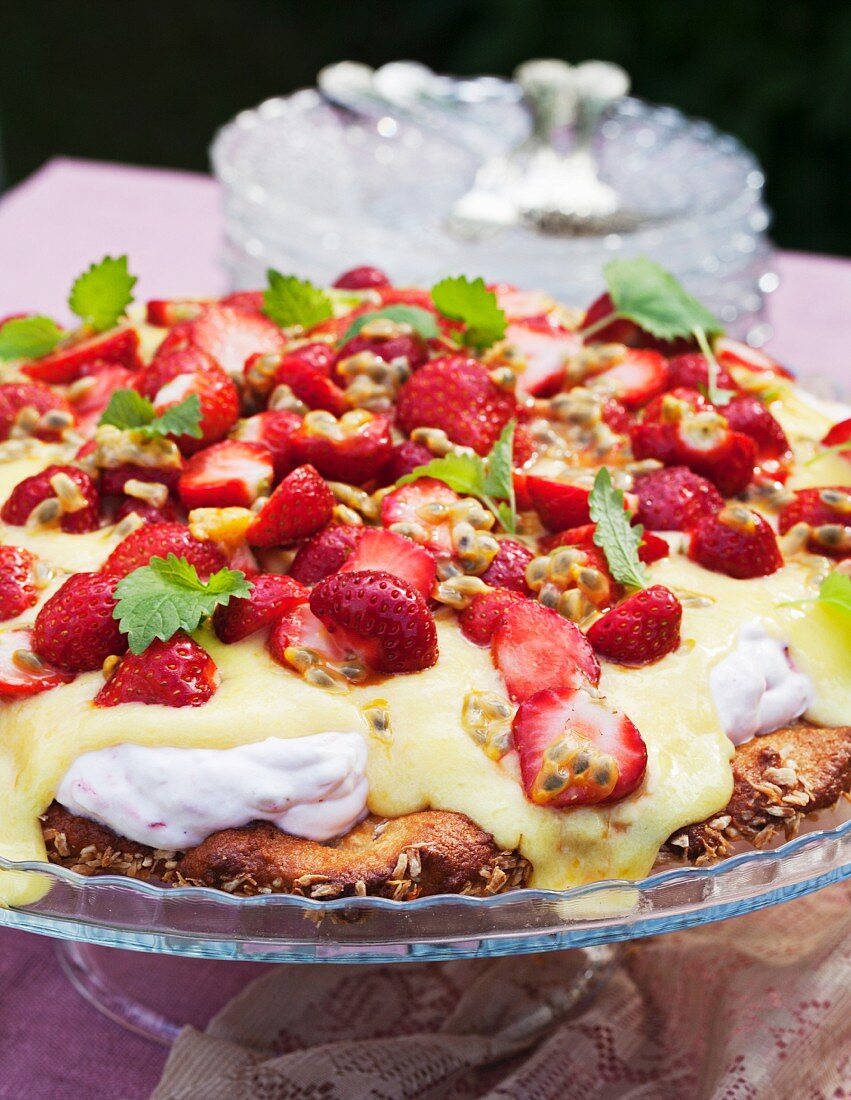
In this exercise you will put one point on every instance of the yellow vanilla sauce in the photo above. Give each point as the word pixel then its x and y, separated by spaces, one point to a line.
pixel 430 761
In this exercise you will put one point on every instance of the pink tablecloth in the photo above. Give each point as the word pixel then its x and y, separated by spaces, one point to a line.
pixel 55 1046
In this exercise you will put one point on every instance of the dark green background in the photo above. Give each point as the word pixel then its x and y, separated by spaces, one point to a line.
pixel 148 83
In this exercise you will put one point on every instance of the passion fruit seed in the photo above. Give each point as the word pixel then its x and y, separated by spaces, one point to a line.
pixel 110 665
pixel 355 498
pixel 41 573
pixel 579 406
pixel 224 525
pixel 347 516
pixel 115 447
pixel 260 376
pixel 28 661
pixel 770 494
pixel 68 493
pixel 573 762
pixel 487 718
pixel 436 441
pixel 377 717
pixel 81 388
pixel 283 398
pixel 152 492
pixel 315 669
pixel 46 514
pixel 413 531
pixel 836 500
pixel 459 592
pixel 795 540
pixel 835 536
pixel 131 522
pixel 504 379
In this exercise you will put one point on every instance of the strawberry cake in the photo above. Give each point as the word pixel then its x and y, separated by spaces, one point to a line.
pixel 374 590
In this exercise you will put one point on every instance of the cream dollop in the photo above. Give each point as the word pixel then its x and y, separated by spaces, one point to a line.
pixel 313 787
pixel 756 688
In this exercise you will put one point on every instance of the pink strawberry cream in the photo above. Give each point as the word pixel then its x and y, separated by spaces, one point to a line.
pixel 313 787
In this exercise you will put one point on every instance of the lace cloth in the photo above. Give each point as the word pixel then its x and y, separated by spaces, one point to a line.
pixel 755 1007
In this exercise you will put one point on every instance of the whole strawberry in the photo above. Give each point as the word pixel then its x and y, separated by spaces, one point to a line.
pixel 15 397
pixel 480 620
pixel 642 629
pixel 675 498
pixel 828 512
pixel 737 542
pixel 325 553
pixel 353 448
pixel 299 507
pixel 272 595
pixel 219 400
pixel 17 590
pixel 22 672
pixel 457 395
pixel 385 618
pixel 508 568
pixel 158 540
pixel 75 630
pixel 177 673
pixel 78 515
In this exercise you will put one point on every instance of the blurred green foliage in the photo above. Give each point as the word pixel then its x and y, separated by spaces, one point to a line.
pixel 149 83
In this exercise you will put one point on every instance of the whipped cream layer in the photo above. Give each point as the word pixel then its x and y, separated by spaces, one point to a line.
pixel 314 787
pixel 756 687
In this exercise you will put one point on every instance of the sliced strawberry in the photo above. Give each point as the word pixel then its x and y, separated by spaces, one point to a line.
pixel 617 416
pixel 481 618
pixel 310 386
pixel 828 513
pixel 300 629
pixel 245 301
pixel 653 549
pixel 558 504
pixel 521 492
pixel 302 362
pixel 298 508
pixel 508 568
pixel 534 647
pixel 390 620
pixel 105 379
pixel 166 312
pixel 231 335
pixel 75 629
pixel 325 553
pixel 840 433
pixel 748 415
pixel 355 450
pixel 524 449
pixel 404 458
pixel 275 430
pixel 168 365
pixel 120 345
pixel 692 372
pixel 158 541
pixel 177 673
pixel 457 395
pixel 737 542
pixel 640 376
pixel 404 345
pixel 733 353
pixel 542 351
pixel 228 474
pixel 17 589
pixel 642 629
pixel 386 552
pixel 219 400
pixel 30 492
pixel 409 505
pixel 406 296
pixel 523 305
pixel 272 596
pixel 575 750
pixel 20 674
pixel 18 396
pixel 675 498
pixel 361 278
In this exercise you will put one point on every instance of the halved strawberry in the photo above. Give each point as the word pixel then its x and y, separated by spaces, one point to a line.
pixel 642 629
pixel 168 365
pixel 456 394
pixel 733 353
pixel 480 620
pixel 75 629
pixel 177 673
pixel 272 595
pixel 389 620
pixel 353 450
pixel 748 415
pixel 325 553
pixel 17 589
pixel 403 460
pixel 316 358
pixel 166 312
pixel 737 542
pixel 231 335
pixel 409 505
pixel 641 375
pixel 828 512
pixel 300 505
pixel 361 278
pixel 30 492
pixel 542 351
pixel 299 628
pixel 119 345
pixel 103 379
pixel 653 548
pixel 22 673
pixel 409 346
pixel 15 397
pixel 534 647
pixel 228 474
pixel 312 387
pixel 508 568
pixel 691 371
pixel 114 479
pixel 675 498
pixel 559 505
pixel 523 305
pixel 246 301
pixel 219 406
pixel 840 433
pixel 275 430
pixel 386 552
pixel 158 541
pixel 575 750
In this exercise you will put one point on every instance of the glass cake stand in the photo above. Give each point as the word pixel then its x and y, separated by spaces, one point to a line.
pixel 90 915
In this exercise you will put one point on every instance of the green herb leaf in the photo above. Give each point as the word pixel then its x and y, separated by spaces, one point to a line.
pixel 468 301
pixel 420 320
pixel 463 473
pixel 499 479
pixel 615 535
pixel 835 592
pixel 28 337
pixel 836 449
pixel 714 393
pixel 290 301
pixel 646 293
pixel 130 411
pixel 158 599
pixel 101 295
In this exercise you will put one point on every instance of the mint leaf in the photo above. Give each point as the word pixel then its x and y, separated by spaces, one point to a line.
pixel 420 320
pixel 836 449
pixel 290 301
pixel 499 480
pixel 647 294
pixel 166 595
pixel 101 295
pixel 469 301
pixel 463 473
pixel 28 337
pixel 615 535
pixel 714 393
pixel 835 592
pixel 130 411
